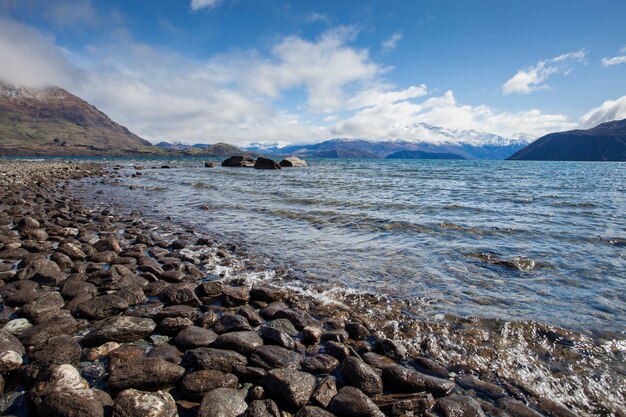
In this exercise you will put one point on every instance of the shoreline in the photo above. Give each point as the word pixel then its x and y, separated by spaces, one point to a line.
pixel 114 266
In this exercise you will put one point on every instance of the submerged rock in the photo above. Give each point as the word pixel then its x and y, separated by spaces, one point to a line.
pixel 265 163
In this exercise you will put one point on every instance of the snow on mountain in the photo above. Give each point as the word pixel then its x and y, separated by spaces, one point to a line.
pixel 424 132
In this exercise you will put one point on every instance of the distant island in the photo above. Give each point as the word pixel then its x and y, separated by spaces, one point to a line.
pixel 423 155
pixel 605 142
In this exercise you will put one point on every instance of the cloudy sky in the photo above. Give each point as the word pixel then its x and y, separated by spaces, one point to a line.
pixel 275 71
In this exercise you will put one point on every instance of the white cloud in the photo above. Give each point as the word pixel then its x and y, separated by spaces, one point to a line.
pixel 616 60
pixel 605 112
pixel 532 79
pixel 204 4
pixel 317 17
pixel 390 43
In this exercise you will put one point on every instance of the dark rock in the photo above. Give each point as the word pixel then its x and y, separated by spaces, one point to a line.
pixel 335 335
pixel 71 403
pixel 250 314
pixel 234 296
pixel 43 331
pixel 223 402
pixel 72 251
pixel 262 408
pixel 292 161
pixel 145 374
pixel 391 349
pixel 218 359
pixel 273 336
pixel 21 296
pixel 43 271
pixel 553 408
pixel 284 325
pixel 337 350
pixel 173 325
pixel 377 361
pixel 470 382
pixel 312 411
pixel 459 406
pixel 179 244
pixel 182 293
pixel 429 366
pixel 320 364
pixel 210 289
pixel 108 244
pixel 249 373
pixel 194 337
pixel 102 307
pixel 45 303
pixel 243 342
pixel 516 408
pixel 119 329
pixel 70 289
pixel 168 352
pixel 196 384
pixel 292 387
pixel 209 165
pixel 271 309
pixel 185 311
pixel 400 379
pixel 311 335
pixel 298 318
pixel 231 323
pixel 265 163
pixel 134 403
pixel 404 404
pixel 362 376
pixel 271 357
pixel 133 295
pixel 238 162
pixel 351 402
pixel 266 293
pixel 357 331
pixel 11 352
pixel 56 351
pixel 325 391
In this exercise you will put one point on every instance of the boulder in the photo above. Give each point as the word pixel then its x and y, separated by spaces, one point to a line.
pixel 265 163
pixel 56 351
pixel 292 387
pixel 243 342
pixel 262 408
pixel 43 271
pixel 352 402
pixel 459 406
pixel 102 307
pixel 404 404
pixel 120 329
pixel 194 337
pixel 400 379
pixel 271 357
pixel 362 376
pixel 75 403
pixel 223 402
pixel 218 359
pixel 196 384
pixel 292 161
pixel 134 403
pixel 320 364
pixel 145 374
pixel 239 161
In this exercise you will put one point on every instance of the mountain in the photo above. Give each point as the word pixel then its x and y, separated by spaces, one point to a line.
pixel 423 155
pixel 605 142
pixel 51 121
pixel 217 149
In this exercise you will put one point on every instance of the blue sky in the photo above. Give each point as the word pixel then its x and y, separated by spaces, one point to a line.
pixel 246 71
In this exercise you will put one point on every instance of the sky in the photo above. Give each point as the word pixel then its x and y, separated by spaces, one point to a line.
pixel 287 72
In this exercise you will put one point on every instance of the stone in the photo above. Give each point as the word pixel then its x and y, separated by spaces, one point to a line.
pixel 337 350
pixel 223 402
pixel 400 379
pixel 10 360
pixel 325 391
pixel 391 349
pixel 269 311
pixel 72 251
pixel 217 359
pixel 133 294
pixel 377 361
pixel 145 374
pixel 429 366
pixel 357 331
pixel 71 288
pixel 266 293
pixel 285 326
pixel 17 326
pixel 134 403
pixel 292 161
pixel 553 408
pixel 352 402
pixel 362 376
pixel 312 411
pixel 266 163
pixel 311 335
pixel 76 403
pixel 459 406
pixel 404 404
pixel 335 335
pixel 121 329
pixel 168 352
pixel 45 303
pixel 210 289
pixel 297 317
pixel 231 323
pixel 43 271
pixel 102 307
pixel 243 342
pixel 108 244
pixel 43 331
pixel 173 325
pixel 101 352
pixel 250 314
pixel 185 311
pixel 470 382
pixel 209 165
pixel 271 357
pixel 194 337
pixel 274 336
pixel 516 408
pixel 238 161
pixel 235 296
pixel 182 293
pixel 196 384
pixel 262 408
pixel 320 364
pixel 56 351
pixel 294 388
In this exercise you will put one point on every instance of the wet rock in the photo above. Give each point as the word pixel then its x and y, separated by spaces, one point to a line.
pixel 273 336
pixel 45 303
pixel 516 408
pixel 459 406
pixel 179 244
pixel 223 402
pixel 238 161
pixel 182 293
pixel 184 311
pixel 120 329
pixel 312 411
pixel 173 325
pixel 271 357
pixel 21 296
pixel 400 379
pixel 250 314
pixel 133 295
pixel 231 323
pixel 145 374
pixel 209 165
pixel 101 352
pixel 168 352
pixel 134 403
pixel 194 337
pixel 108 244
pixel 77 403
pixel 325 391
pixel 210 289
pixel 470 382
pixel 404 404
pixel 357 331
pixel 285 326
pixel 311 335
pixel 298 318
pixel 429 366
pixel 553 408
pixel 173 276
pixel 362 376
pixel 351 402
pixel 71 288
pixel 234 296
pixel 292 387
pixel 262 408
pixel 320 364
pixel 249 373
pixel 196 384
pixel 217 359
pixel 266 293
pixel 242 342
pixel 377 361
pixel 56 351
pixel 292 161
pixel 43 331
pixel 115 278
pixel 72 251
pixel 125 354
pixel 102 307
pixel 391 349
pixel 269 311
pixel 64 261
pixel 43 271
pixel 265 163
pixel 337 350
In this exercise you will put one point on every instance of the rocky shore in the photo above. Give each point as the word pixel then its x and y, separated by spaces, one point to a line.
pixel 104 315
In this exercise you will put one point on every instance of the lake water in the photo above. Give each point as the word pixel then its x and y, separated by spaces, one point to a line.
pixel 505 242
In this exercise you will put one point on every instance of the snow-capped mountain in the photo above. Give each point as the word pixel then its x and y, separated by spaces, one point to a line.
pixel 424 132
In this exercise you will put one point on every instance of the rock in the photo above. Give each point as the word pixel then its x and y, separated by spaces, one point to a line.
pixel 64 261
pixel 231 323
pixel 377 361
pixel 101 352
pixel 325 391
pixel 107 244
pixel 292 387
pixel 45 303
pixel 168 352
pixel 77 403
pixel 459 406
pixel 404 404
pixel 217 359
pixel 17 326
pixel 470 382
pixel 238 162
pixel 196 384
pixel 43 331
pixel 553 408
pixel 182 293
pixel 72 251
pixel 516 408
pixel 173 325
pixel 209 165
pixel 133 294
pixel 250 314
pixel 102 307
pixel 266 293
pixel 262 408
pixel 234 296
pixel 269 311
pixel 125 354
pixel 429 366
pixel 298 318
pixel 210 289
pixel 249 373
pixel 351 402
pixel 391 349
pixel 134 403
pixel 43 271
pixel 145 374
pixel 335 335
pixel 271 357
pixel 400 379
pixel 10 360
pixel 56 351
pixel 320 364
pixel 337 350
pixel 120 329
pixel 292 161
pixel 223 402
pixel 357 331
pixel 285 326
pixel 194 337
pixel 311 335
pixel 242 342
pixel 70 289
pixel 265 163
pixel 312 411
pixel 362 376
pixel 273 336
